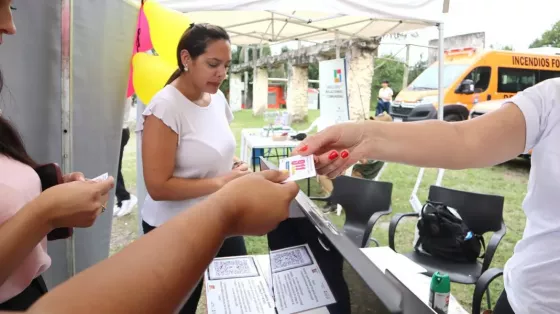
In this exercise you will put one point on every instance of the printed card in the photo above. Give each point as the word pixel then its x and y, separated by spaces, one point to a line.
pixel 102 177
pixel 299 167
pixel 229 268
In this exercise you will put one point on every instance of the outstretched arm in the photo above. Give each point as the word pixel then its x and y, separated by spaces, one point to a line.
pixel 487 140
pixel 162 267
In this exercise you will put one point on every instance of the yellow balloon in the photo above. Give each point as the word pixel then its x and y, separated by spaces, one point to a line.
pixel 166 28
pixel 149 75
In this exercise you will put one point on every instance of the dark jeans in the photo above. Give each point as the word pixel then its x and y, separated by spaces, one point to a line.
pixel 502 305
pixel 120 192
pixel 27 297
pixel 382 106
pixel 234 246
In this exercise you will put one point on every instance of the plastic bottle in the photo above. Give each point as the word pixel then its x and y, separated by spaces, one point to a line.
pixel 440 289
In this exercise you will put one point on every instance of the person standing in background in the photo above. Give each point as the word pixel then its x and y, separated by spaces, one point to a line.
pixel 125 200
pixel 385 96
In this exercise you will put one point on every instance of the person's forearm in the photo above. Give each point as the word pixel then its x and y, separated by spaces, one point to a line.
pixel 20 235
pixel 154 274
pixel 448 145
pixel 178 189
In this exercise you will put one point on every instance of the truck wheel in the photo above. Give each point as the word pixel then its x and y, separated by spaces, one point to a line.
pixel 453 117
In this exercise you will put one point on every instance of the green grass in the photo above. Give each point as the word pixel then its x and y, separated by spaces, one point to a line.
pixel 509 180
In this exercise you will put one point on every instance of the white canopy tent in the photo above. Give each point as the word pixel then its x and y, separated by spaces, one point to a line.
pixel 257 22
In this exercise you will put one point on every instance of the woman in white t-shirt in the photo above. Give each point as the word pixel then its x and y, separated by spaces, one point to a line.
pixel 187 144
pixel 528 121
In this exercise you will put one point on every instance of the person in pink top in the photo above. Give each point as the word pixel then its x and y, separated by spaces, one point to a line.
pixel 27 215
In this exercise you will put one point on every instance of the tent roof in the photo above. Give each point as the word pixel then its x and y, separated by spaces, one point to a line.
pixel 262 21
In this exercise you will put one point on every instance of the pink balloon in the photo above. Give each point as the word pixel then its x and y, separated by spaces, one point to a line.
pixel 142 43
pixel 130 89
pixel 144 37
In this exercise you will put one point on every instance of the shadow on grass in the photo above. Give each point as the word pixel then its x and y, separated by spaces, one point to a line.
pixel 521 165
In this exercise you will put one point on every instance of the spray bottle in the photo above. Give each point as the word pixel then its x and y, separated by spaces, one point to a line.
pixel 440 290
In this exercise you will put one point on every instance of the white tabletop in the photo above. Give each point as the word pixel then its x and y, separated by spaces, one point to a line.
pixel 253 138
pixel 384 258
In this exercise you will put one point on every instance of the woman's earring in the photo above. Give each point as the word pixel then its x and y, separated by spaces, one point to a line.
pixel 186 68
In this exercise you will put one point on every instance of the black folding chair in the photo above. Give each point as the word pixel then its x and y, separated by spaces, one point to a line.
pixel 482 213
pixel 364 201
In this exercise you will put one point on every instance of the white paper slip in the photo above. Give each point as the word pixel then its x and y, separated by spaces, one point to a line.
pixel 229 268
pixel 299 167
pixel 236 285
pixel 299 284
pixel 102 177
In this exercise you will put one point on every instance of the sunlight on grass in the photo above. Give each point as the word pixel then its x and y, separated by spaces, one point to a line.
pixel 509 180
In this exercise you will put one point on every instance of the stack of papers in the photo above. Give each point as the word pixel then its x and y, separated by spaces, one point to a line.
pixel 244 284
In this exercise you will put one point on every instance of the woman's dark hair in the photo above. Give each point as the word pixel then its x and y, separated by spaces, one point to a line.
pixel 11 144
pixel 195 40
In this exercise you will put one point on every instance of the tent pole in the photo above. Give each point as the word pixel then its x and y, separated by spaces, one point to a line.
pixel 246 77
pixel 441 48
pixel 337 43
pixel 66 112
pixel 440 71
pixel 140 184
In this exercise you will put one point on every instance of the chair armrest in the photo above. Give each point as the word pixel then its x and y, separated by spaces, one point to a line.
pixel 492 246
pixel 376 216
pixel 393 227
pixel 371 222
pixel 372 240
pixel 482 285
pixel 320 198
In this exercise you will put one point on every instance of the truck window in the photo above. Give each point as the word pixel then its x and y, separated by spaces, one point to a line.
pixel 545 75
pixel 512 80
pixel 428 80
pixel 481 78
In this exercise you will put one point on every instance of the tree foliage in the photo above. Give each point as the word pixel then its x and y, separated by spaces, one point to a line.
pixel 505 47
pixel 550 38
pixel 417 69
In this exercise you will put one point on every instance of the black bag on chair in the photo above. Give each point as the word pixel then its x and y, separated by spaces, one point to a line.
pixel 443 234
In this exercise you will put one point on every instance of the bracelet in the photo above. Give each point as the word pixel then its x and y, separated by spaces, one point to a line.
pixel 237 164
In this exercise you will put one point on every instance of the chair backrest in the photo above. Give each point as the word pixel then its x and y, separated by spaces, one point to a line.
pixel 481 212
pixel 361 199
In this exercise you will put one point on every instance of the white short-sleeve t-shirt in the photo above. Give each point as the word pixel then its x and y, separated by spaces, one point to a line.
pixel 532 275
pixel 205 147
pixel 385 93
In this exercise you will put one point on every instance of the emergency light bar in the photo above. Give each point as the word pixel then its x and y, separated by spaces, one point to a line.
pixel 460 51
